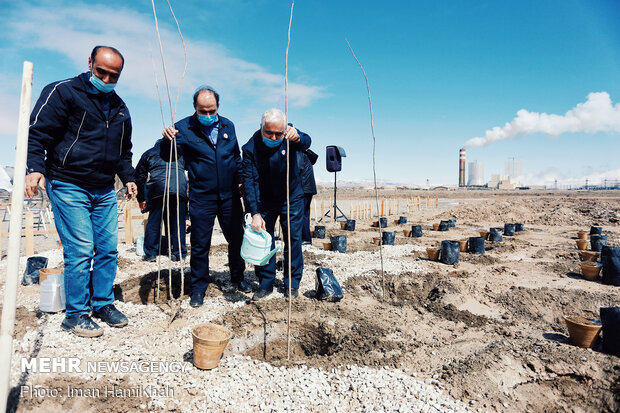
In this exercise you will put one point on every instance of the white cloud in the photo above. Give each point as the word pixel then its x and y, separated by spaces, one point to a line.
pixel 596 114
pixel 74 29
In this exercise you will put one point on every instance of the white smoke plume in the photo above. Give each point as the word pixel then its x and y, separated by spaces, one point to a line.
pixel 596 114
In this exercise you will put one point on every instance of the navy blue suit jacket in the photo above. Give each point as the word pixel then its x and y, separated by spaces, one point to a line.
pixel 213 171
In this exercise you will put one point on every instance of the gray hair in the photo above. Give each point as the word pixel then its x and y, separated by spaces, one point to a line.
pixel 273 115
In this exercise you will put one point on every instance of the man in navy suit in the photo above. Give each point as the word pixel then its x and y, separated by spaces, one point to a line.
pixel 264 183
pixel 209 146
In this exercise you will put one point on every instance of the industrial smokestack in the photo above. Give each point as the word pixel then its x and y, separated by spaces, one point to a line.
pixel 462 167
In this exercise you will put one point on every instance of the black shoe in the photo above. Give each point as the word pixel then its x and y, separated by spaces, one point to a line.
pixel 174 258
pixel 243 286
pixel 294 292
pixel 111 315
pixel 149 258
pixel 82 325
pixel 197 299
pixel 260 294
pixel 306 243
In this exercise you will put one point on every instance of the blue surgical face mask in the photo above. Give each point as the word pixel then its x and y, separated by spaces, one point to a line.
pixel 100 85
pixel 207 120
pixel 271 144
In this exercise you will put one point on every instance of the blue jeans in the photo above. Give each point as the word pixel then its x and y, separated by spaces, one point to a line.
pixel 86 221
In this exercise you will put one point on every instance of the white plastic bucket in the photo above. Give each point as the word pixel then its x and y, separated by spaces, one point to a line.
pixel 52 293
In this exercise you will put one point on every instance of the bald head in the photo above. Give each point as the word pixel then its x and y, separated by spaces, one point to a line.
pixel 108 51
pixel 106 63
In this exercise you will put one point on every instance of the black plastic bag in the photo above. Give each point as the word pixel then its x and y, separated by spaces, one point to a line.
pixel 610 258
pixel 610 318
pixel 33 265
pixel 327 287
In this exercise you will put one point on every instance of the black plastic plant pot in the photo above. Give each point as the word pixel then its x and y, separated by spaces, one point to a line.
pixel 387 238
pixel 450 251
pixel 319 231
pixel 610 258
pixel 383 222
pixel 495 234
pixel 339 243
pixel 350 225
pixel 509 230
pixel 518 227
pixel 476 245
pixel 416 231
pixel 402 220
pixel 444 226
pixel 596 230
pixel 597 242
pixel 452 223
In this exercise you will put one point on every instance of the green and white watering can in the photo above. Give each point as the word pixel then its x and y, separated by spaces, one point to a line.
pixel 256 246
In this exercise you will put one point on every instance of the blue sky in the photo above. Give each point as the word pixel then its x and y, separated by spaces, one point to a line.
pixel 440 72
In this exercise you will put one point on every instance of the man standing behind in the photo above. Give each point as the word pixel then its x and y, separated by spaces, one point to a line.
pixel 305 161
pixel 264 183
pixel 151 174
pixel 80 138
pixel 208 144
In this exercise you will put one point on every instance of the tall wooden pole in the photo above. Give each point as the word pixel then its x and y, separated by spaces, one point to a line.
pixel 7 327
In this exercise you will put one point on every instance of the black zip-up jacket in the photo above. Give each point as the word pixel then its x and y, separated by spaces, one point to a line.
pixel 305 160
pixel 151 175
pixel 72 140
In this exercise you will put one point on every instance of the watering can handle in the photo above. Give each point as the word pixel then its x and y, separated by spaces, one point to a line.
pixel 248 223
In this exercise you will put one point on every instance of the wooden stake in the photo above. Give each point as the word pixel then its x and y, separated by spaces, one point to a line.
pixel 29 230
pixel 128 226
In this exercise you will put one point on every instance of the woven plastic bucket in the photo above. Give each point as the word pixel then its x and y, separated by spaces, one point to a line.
pixel 582 332
pixel 590 270
pixel 433 254
pixel 210 340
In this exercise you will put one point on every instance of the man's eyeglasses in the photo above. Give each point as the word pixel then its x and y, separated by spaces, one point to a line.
pixel 272 133
pixel 102 73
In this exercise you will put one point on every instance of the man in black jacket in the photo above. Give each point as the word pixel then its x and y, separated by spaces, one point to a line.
pixel 151 180
pixel 305 160
pixel 208 143
pixel 264 176
pixel 80 138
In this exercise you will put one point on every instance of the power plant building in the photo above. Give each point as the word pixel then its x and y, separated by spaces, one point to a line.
pixel 475 176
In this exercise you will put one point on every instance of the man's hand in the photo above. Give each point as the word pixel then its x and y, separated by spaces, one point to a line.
pixel 241 191
pixel 142 205
pixel 34 182
pixel 170 132
pixel 291 134
pixel 132 191
pixel 258 223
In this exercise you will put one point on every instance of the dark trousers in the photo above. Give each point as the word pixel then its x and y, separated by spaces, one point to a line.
pixel 152 232
pixel 305 233
pixel 229 214
pixel 267 273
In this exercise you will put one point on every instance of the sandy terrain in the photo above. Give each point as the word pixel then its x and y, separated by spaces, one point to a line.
pixel 485 334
